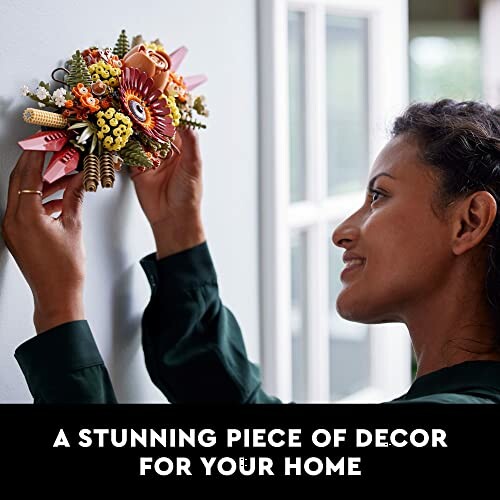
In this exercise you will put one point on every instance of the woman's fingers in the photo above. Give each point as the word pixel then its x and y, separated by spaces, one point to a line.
pixel 72 201
pixel 59 185
pixel 136 171
pixel 31 166
pixel 12 196
pixel 190 152
pixel 53 206
pixel 16 177
pixel 48 189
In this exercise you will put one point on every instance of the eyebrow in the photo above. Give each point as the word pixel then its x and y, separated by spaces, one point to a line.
pixel 373 179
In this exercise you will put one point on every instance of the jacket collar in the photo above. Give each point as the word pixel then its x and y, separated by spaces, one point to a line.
pixel 461 377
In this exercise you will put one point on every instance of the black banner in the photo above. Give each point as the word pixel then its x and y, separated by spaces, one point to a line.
pixel 166 443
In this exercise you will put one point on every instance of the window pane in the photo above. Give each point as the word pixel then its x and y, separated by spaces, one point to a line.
pixel 445 66
pixel 298 314
pixel 349 341
pixel 296 100
pixel 347 103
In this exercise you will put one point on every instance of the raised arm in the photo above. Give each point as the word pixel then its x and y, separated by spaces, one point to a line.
pixel 62 363
pixel 193 345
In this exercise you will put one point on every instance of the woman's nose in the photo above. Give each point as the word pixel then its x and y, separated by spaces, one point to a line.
pixel 345 234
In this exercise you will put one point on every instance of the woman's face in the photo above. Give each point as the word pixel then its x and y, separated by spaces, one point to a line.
pixel 404 245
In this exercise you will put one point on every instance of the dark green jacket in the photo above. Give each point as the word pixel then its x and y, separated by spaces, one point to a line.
pixel 194 350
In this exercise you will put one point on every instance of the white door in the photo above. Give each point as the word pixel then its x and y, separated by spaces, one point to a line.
pixel 333 77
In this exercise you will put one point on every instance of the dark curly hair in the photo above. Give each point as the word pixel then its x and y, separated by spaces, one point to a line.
pixel 462 141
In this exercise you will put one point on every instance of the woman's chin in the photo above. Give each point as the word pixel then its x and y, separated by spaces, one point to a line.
pixel 362 309
pixel 349 307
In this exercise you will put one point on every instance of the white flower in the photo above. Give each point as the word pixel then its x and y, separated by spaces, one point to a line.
pixel 59 97
pixel 41 105
pixel 42 93
pixel 60 92
pixel 60 101
pixel 189 100
pixel 25 90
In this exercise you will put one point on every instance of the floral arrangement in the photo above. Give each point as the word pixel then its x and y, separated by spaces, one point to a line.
pixel 114 107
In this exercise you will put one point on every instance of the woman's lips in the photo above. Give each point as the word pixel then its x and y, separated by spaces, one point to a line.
pixel 351 266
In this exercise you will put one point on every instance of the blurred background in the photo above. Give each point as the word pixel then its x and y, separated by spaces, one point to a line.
pixel 302 96
pixel 354 65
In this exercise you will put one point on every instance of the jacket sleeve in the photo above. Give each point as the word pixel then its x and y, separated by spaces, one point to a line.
pixel 193 346
pixel 63 365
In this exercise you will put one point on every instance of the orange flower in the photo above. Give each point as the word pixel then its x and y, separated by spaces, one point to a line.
pixel 80 90
pixel 115 61
pixel 87 100
pixel 177 80
pixel 68 104
pixel 90 102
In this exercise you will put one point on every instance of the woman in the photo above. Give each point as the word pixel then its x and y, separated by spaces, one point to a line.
pixel 422 250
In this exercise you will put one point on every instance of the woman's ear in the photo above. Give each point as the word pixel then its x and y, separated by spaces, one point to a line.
pixel 472 221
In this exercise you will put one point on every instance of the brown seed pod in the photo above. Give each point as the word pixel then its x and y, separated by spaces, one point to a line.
pixel 107 170
pixel 91 173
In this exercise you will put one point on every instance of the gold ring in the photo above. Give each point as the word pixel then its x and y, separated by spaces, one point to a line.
pixel 29 191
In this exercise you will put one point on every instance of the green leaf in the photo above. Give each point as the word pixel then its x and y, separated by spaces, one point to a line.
pixel 134 155
pixel 78 71
pixel 122 45
pixel 76 145
pixel 85 135
pixel 78 125
pixel 94 143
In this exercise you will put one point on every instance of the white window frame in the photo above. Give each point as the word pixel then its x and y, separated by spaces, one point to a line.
pixel 390 352
pixel 490 41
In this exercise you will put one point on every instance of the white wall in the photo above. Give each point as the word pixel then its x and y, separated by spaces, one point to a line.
pixel 35 38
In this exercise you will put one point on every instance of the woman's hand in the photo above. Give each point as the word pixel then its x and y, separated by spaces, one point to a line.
pixel 49 252
pixel 171 197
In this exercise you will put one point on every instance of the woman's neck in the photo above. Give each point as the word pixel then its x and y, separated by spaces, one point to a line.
pixel 452 330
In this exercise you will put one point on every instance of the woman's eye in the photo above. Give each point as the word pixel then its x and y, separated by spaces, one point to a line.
pixel 375 195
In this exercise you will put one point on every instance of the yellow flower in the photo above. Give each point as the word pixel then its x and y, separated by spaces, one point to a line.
pixel 155 46
pixel 174 110
pixel 105 72
pixel 115 129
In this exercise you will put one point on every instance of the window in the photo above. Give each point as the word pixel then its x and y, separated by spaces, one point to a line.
pixel 333 76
